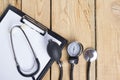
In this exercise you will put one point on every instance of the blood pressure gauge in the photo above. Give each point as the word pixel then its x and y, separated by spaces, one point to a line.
pixel 74 49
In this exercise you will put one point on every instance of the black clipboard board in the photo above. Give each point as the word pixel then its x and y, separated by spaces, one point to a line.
pixel 39 25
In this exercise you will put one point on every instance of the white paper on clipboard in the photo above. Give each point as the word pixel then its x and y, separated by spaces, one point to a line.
pixel 8 70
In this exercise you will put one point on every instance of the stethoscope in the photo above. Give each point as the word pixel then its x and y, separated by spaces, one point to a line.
pixel 36 61
pixel 74 50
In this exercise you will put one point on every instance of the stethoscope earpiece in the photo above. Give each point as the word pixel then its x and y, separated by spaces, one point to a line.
pixel 90 54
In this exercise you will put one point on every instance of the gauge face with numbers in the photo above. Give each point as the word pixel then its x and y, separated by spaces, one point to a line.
pixel 74 49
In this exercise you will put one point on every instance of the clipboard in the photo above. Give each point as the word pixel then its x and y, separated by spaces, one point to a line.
pixel 13 16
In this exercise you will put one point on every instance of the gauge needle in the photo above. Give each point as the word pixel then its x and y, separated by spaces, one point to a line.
pixel 73 49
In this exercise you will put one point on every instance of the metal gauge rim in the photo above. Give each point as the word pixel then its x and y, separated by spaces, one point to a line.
pixel 74 49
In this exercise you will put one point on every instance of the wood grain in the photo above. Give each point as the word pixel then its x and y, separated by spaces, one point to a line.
pixel 5 3
pixel 1 6
pixel 74 19
pixel 39 10
pixel 108 39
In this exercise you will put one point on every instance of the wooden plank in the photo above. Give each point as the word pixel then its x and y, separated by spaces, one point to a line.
pixel 40 10
pixel 5 3
pixel 1 6
pixel 74 19
pixel 108 39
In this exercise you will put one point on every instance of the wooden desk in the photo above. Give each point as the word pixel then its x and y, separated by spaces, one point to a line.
pixel 94 23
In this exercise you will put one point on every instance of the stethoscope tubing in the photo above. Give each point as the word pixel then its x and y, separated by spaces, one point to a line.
pixel 17 64
pixel 88 70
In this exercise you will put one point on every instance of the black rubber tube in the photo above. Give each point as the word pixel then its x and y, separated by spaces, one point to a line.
pixel 71 71
pixel 33 78
pixel 88 70
pixel 61 70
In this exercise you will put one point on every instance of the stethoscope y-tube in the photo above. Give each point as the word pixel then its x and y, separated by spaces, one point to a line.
pixel 35 58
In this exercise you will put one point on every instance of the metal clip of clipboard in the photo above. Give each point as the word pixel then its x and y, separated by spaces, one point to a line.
pixel 33 24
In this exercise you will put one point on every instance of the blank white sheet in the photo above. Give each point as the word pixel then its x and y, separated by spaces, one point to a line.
pixel 8 70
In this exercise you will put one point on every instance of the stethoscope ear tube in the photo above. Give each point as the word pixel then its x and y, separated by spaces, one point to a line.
pixel 31 74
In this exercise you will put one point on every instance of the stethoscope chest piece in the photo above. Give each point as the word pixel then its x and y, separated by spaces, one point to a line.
pixel 90 54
